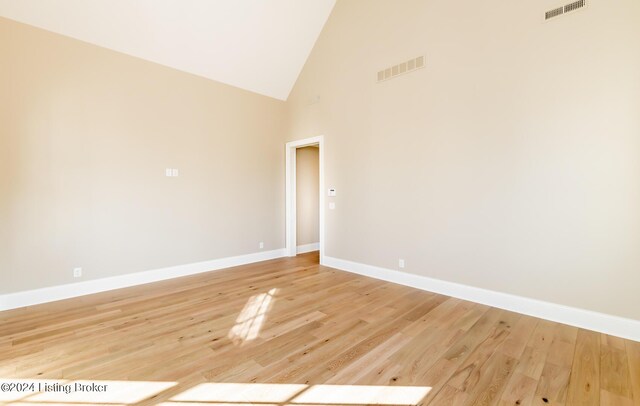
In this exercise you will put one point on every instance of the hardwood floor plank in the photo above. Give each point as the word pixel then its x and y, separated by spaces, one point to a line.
pixel 520 391
pixel 584 384
pixel 452 397
pixel 493 378
pixel 614 368
pixel 633 354
pixel 554 379
pixel 471 371
pixel 292 321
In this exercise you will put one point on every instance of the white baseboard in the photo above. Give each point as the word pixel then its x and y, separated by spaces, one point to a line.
pixel 587 319
pixel 53 293
pixel 301 249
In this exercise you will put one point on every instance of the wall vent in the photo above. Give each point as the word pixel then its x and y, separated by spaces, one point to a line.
pixel 554 13
pixel 401 68
pixel 557 12
pixel 574 6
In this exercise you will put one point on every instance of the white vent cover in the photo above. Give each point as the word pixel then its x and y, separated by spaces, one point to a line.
pixel 401 69
pixel 557 12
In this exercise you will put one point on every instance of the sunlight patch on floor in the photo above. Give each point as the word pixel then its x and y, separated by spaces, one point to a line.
pixel 70 392
pixel 298 394
pixel 240 392
pixel 221 404
pixel 358 394
pixel 251 318
pixel 125 393
pixel 14 394
pixel 69 404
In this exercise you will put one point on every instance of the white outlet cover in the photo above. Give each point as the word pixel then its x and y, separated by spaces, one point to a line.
pixel 401 263
pixel 168 172
pixel 261 245
pixel 77 272
pixel 332 206
pixel 175 172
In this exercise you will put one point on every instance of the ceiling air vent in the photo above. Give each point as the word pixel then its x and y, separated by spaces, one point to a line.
pixel 574 6
pixel 401 69
pixel 556 12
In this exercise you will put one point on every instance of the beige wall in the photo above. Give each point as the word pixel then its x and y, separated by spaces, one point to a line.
pixel 511 162
pixel 307 195
pixel 85 137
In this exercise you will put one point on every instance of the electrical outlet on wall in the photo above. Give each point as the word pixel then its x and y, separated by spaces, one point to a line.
pixel 77 272
pixel 261 245
pixel 401 263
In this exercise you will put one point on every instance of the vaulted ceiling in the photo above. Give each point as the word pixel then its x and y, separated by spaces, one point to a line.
pixel 257 45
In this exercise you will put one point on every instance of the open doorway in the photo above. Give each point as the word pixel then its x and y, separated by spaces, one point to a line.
pixel 307 199
pixel 304 196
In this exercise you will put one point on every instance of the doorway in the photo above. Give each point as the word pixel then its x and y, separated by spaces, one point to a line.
pixel 293 150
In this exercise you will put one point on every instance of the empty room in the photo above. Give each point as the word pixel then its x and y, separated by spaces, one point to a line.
pixel 319 202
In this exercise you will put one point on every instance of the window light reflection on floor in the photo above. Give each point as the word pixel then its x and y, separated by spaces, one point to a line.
pixel 240 392
pixel 252 317
pixel 300 395
pixel 116 393
pixel 129 393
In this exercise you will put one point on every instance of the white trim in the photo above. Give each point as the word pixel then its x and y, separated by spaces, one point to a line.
pixel 290 182
pixel 587 319
pixel 302 249
pixel 53 293
pixel 290 195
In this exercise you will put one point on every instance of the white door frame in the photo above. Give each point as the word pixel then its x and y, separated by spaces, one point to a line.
pixel 290 232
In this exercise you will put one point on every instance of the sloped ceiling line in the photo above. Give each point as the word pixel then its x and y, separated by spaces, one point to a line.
pixel 256 45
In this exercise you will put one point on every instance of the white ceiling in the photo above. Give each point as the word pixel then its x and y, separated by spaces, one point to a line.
pixel 257 45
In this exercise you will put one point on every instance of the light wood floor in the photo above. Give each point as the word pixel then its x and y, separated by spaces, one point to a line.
pixel 311 333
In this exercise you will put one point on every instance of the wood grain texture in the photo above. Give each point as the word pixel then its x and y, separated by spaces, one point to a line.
pixel 292 322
